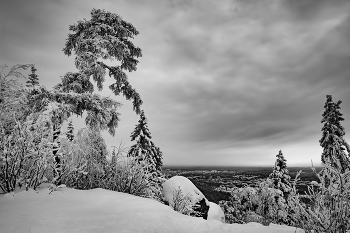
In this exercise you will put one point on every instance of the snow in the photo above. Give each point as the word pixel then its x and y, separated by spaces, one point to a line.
pixel 215 212
pixel 99 210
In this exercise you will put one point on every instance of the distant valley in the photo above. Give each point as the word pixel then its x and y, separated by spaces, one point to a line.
pixel 217 182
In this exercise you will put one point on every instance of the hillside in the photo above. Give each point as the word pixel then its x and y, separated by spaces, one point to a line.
pixel 99 210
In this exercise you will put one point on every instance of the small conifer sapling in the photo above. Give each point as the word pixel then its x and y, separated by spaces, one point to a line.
pixel 70 131
pixel 33 79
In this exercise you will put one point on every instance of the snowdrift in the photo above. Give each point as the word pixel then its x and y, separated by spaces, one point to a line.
pixel 99 210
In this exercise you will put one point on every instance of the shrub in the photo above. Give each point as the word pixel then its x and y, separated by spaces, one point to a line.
pixel 129 176
pixel 181 203
pixel 231 214
pixel 271 203
pixel 84 160
pixel 83 169
pixel 24 159
pixel 241 202
pixel 264 201
pixel 329 208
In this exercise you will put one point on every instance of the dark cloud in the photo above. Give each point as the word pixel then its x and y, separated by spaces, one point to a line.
pixel 233 78
pixel 311 9
pixel 267 87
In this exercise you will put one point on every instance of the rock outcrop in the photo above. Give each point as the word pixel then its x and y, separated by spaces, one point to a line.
pixel 199 204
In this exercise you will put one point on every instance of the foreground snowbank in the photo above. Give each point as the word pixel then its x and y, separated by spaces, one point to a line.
pixel 99 210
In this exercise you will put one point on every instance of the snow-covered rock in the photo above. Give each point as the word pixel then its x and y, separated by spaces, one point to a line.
pixel 215 212
pixel 188 189
pixel 99 210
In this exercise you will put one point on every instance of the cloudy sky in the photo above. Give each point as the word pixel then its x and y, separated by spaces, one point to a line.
pixel 223 82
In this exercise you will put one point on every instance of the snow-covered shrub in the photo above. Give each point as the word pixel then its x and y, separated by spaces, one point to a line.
pixel 263 200
pixel 131 176
pixel 25 159
pixel 271 203
pixel 329 208
pixel 125 174
pixel 84 160
pixel 230 212
pixel 87 165
pixel 181 203
pixel 74 162
pixel 242 201
pixel 13 97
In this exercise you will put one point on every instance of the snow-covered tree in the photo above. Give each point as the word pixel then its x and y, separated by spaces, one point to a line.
pixel 335 148
pixel 105 36
pixel 145 149
pixel 101 112
pixel 280 175
pixel 70 131
pixel 33 79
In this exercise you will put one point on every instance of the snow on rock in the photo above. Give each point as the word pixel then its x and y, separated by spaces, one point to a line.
pixel 99 210
pixel 215 212
pixel 188 189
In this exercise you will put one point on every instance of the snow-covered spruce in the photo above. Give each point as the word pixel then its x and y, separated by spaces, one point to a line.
pixel 280 175
pixel 144 148
pixel 335 149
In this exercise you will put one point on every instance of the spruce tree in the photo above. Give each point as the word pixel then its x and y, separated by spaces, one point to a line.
pixel 335 148
pixel 145 149
pixel 33 79
pixel 70 131
pixel 280 175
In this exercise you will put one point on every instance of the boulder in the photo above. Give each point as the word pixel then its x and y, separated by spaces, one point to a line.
pixel 200 205
pixel 215 212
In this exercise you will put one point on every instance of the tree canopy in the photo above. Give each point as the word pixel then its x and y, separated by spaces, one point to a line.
pixel 105 36
pixel 101 111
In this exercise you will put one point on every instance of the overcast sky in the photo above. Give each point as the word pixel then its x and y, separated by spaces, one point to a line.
pixel 223 82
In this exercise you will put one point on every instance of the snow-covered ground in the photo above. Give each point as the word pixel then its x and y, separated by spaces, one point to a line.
pixel 99 210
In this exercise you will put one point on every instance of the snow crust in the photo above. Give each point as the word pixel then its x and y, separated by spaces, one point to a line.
pixel 99 210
